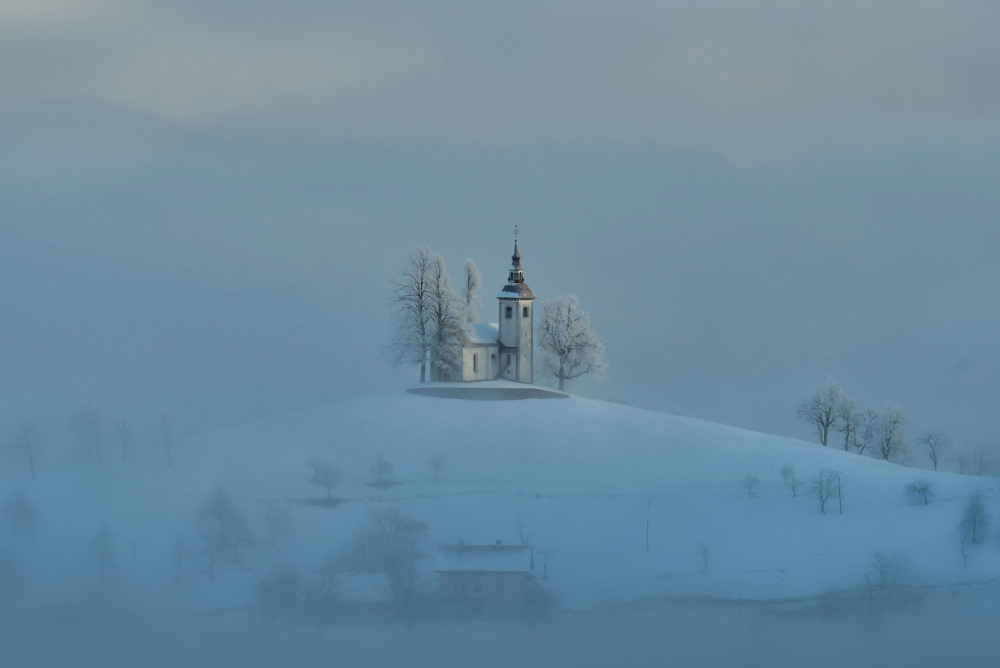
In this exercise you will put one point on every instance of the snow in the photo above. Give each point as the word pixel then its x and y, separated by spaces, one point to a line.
pixel 484 332
pixel 581 477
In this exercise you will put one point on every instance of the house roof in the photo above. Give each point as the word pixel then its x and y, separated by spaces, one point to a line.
pixel 483 559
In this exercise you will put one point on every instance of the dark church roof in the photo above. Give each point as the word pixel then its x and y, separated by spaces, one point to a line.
pixel 516 291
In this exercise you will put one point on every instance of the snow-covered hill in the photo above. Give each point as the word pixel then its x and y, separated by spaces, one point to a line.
pixel 580 477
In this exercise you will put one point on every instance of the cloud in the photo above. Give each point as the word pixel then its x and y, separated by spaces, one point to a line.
pixel 730 77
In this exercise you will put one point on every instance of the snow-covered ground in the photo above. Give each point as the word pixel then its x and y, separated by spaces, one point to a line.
pixel 579 477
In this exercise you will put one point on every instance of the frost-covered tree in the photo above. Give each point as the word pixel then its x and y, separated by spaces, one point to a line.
pixel 326 475
pixel 168 429
pixel 920 490
pixel 787 472
pixel 413 328
pixel 889 441
pixel 820 409
pixel 279 522
pixel 570 347
pixel 847 420
pixel 21 514
pixel 937 444
pixel 124 430
pixel 89 424
pixel 868 431
pixel 974 459
pixel 447 322
pixel 750 483
pixel 27 443
pixel 975 518
pixel 435 463
pixel 224 527
pixel 390 545
pixel 472 285
pixel 101 552
pixel 381 468
pixel 825 486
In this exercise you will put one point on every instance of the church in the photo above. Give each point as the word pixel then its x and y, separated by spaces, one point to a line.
pixel 502 350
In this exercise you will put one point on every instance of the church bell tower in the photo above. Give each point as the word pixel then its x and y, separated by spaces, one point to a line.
pixel 516 324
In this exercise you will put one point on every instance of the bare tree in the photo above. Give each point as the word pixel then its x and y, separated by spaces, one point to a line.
pixel 848 420
pixel 889 435
pixel 20 512
pixel 546 553
pixel 750 483
pixel 326 475
pixel 937 444
pixel 447 320
pixel 124 429
pixel 224 527
pixel 279 522
pixel 963 545
pixel 787 472
pixel 974 459
pixel 414 324
pixel 89 423
pixel 27 442
pixel 179 558
pixel 436 464
pixel 703 552
pixel 168 430
pixel 920 490
pixel 975 518
pixel 825 487
pixel 571 348
pixel 473 284
pixel 820 409
pixel 794 484
pixel 882 580
pixel 101 552
pixel 380 469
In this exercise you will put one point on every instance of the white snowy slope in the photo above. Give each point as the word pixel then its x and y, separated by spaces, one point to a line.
pixel 580 477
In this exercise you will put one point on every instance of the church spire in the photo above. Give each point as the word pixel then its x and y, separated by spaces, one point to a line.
pixel 516 271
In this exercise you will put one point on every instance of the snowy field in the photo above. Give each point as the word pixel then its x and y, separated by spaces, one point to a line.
pixel 581 479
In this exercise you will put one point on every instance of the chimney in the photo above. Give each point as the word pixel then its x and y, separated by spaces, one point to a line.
pixel 461 541
pixel 499 541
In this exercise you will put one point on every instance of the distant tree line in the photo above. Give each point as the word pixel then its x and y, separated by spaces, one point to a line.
pixel 879 432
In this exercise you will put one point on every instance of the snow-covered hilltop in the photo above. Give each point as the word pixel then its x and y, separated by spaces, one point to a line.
pixel 580 479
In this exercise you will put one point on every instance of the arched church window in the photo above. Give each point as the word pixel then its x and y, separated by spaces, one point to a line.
pixel 475 363
pixel 510 311
pixel 524 313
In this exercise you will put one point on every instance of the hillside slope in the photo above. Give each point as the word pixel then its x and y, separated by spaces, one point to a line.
pixel 580 477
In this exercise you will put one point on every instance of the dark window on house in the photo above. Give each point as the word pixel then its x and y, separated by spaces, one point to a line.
pixel 510 311
pixel 501 587
pixel 524 312
pixel 508 358
pixel 475 363
pixel 479 587
pixel 460 587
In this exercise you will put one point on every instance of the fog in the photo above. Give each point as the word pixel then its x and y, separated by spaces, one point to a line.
pixel 203 206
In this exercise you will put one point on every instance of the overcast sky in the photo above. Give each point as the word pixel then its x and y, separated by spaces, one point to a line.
pixel 202 203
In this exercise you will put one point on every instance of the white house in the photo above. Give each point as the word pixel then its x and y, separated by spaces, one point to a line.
pixel 502 350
